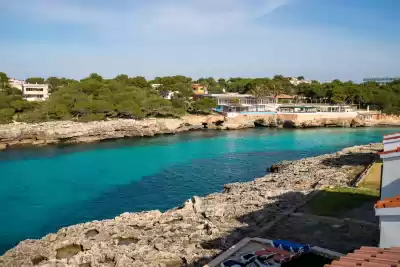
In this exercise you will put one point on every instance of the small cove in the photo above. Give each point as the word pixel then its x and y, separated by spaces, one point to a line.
pixel 46 188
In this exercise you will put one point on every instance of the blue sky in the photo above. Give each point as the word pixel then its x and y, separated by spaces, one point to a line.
pixel 320 39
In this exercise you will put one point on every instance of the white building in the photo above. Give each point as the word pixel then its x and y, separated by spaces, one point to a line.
pixel 239 103
pixel 31 92
pixel 388 208
pixel 170 94
pixel 296 81
pixel 18 84
pixel 388 211
pixel 156 85
pixel 390 184
pixel 35 92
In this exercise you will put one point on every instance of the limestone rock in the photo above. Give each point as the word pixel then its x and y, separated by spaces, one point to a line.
pixel 39 134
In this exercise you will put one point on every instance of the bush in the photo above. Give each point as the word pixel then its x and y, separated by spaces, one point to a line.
pixel 6 115
pixel 32 116
pixel 92 117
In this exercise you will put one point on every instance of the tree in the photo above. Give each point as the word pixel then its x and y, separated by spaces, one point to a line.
pixel 301 78
pixel 278 77
pixel 274 89
pixel 216 89
pixel 222 83
pixel 139 81
pixel 54 83
pixel 3 80
pixel 259 91
pixel 35 80
pixel 238 85
pixel 204 106
pixel 20 105
pixel 123 78
pixel 93 76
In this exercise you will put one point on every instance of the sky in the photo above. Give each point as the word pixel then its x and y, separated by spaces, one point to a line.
pixel 319 39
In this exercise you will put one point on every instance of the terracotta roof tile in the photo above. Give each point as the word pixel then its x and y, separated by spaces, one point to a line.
pixel 370 257
pixel 392 202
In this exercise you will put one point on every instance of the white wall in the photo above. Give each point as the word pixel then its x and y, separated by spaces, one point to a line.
pixel 391 175
pixel 41 89
pixel 389 227
pixel 391 144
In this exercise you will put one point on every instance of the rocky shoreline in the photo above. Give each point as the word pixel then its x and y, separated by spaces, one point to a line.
pixel 39 134
pixel 200 229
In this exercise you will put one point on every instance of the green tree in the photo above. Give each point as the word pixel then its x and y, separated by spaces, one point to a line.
pixel 204 106
pixel 56 83
pixel 20 105
pixel 34 80
pixel 259 91
pixel 139 82
pixel 3 80
pixel 123 78
pixel 216 89
pixel 222 83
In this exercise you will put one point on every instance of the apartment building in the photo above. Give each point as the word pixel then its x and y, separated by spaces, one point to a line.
pixel 31 92
pixel 35 92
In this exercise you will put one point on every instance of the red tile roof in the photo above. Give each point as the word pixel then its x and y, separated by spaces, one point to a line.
pixel 392 202
pixel 370 257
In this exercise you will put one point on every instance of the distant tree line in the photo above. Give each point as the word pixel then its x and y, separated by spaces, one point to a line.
pixel 97 98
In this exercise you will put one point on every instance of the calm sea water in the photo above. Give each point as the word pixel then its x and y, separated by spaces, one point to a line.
pixel 43 189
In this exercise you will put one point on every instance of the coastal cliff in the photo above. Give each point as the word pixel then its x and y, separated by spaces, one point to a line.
pixel 201 228
pixel 38 134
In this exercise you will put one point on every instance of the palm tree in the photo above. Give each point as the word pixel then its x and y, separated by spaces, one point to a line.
pixel 259 92
pixel 274 89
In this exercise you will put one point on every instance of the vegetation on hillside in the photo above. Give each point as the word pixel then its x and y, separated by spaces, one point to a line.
pixel 96 98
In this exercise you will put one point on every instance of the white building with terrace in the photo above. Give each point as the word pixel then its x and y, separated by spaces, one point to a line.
pixel 243 103
pixel 35 92
pixel 30 91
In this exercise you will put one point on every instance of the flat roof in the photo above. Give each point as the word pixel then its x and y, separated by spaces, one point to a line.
pixel 231 95
pixel 296 106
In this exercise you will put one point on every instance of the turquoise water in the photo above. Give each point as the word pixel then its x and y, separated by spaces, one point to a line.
pixel 44 189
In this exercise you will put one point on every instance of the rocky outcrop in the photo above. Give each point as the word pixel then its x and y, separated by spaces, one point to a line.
pixel 39 134
pixel 76 132
pixel 197 231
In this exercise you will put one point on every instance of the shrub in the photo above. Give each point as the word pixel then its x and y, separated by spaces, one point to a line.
pixel 6 115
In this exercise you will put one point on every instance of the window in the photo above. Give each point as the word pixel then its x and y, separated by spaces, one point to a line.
pixel 33 96
pixel 34 89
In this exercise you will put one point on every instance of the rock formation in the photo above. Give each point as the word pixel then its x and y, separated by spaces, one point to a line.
pixel 76 132
pixel 197 231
